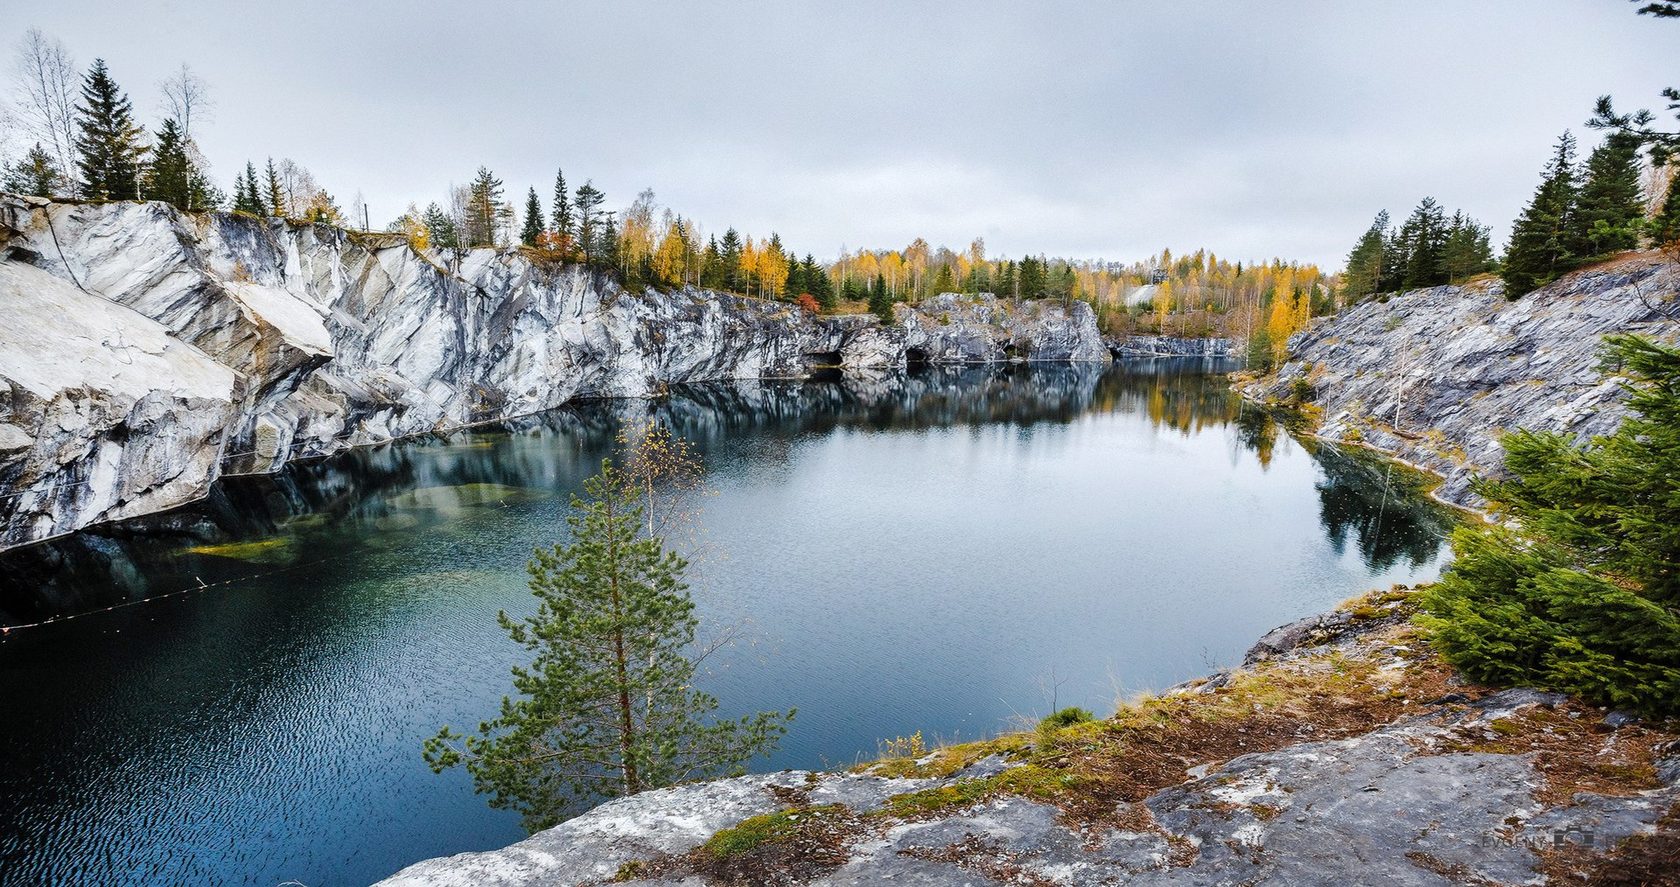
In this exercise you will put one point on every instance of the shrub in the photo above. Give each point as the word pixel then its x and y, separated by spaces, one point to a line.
pixel 1067 717
pixel 808 302
pixel 1586 598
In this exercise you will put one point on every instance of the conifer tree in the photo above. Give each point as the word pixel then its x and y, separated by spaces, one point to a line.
pixel 484 208
pixel 1424 239
pixel 1586 598
pixel 245 199
pixel 711 265
pixel 1364 274
pixel 169 177
pixel 730 253
pixel 563 222
pixel 1665 226
pixel 944 282
pixel 253 195
pixel 881 301
pixel 1542 239
pixel 1609 211
pixel 1468 250
pixel 592 230
pixel 36 174
pixel 440 228
pixel 533 219
pixel 1032 278
pixel 108 148
pixel 276 200
pixel 608 706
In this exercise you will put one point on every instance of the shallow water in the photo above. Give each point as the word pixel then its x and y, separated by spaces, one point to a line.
pixel 947 552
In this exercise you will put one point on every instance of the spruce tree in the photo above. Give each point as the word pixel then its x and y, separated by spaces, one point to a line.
pixel 533 219
pixel 1468 250
pixel 1542 239
pixel 1032 278
pixel 253 194
pixel 169 177
pixel 608 706
pixel 1609 211
pixel 36 174
pixel 440 228
pixel 1363 276
pixel 730 252
pixel 1585 598
pixel 944 282
pixel 1424 234
pixel 880 301
pixel 109 153
pixel 276 200
pixel 245 198
pixel 564 225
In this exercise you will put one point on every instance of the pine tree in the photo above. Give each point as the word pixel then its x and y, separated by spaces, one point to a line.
pixel 276 200
pixel 533 219
pixel 1364 273
pixel 1542 237
pixel 590 225
pixel 816 279
pixel 1609 212
pixel 108 147
pixel 563 223
pixel 1586 599
pixel 169 177
pixel 484 208
pixel 36 174
pixel 607 706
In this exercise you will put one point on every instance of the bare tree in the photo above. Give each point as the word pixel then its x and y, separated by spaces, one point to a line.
pixel 186 97
pixel 47 105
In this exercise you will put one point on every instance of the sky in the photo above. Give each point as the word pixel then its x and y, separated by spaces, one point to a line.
pixel 1086 130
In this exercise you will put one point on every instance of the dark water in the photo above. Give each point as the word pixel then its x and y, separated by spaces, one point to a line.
pixel 946 553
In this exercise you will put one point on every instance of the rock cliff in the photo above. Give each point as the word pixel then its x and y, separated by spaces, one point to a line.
pixel 1435 376
pixel 149 352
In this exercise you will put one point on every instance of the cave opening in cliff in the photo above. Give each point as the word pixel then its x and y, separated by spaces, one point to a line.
pixel 915 356
pixel 819 359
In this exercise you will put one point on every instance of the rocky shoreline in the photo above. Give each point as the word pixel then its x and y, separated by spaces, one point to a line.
pixel 149 352
pixel 1342 752
pixel 1433 377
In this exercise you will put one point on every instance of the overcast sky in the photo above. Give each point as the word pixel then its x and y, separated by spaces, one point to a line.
pixel 1090 130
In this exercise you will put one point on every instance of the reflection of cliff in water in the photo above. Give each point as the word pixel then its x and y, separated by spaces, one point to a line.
pixel 1379 507
pixel 352 505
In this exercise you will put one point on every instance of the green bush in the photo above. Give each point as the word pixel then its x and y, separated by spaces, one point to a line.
pixel 1585 598
pixel 1067 717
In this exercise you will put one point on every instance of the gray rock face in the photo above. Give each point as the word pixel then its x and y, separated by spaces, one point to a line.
pixel 266 341
pixel 1435 376
pixel 1169 346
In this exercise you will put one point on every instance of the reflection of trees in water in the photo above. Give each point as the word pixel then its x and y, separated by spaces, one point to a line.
pixel 1258 431
pixel 1378 506
pixel 1184 394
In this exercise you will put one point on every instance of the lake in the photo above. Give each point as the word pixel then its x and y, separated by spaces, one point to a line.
pixel 241 691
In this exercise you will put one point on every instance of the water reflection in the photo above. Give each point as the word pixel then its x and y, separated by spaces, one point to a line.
pixel 254 525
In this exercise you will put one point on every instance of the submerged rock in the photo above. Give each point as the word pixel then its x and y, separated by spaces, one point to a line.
pixel 149 352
